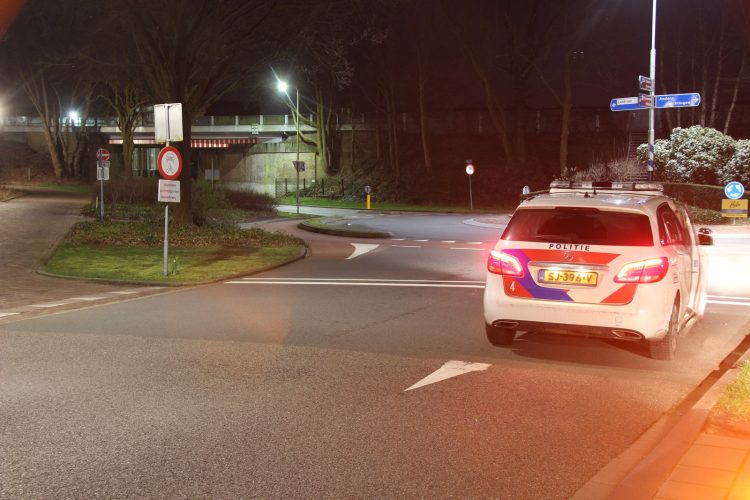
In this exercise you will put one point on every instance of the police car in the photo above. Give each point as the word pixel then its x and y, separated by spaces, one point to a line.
pixel 599 259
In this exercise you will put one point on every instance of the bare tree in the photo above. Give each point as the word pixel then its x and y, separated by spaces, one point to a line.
pixel 48 66
pixel 195 51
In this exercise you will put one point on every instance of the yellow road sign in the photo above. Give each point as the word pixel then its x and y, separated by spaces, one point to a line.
pixel 733 208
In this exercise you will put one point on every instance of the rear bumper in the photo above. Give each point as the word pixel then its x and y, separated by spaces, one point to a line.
pixel 566 329
pixel 645 317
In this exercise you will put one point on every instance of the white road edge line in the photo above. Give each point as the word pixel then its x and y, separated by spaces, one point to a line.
pixel 450 369
pixel 728 302
pixel 720 297
pixel 363 279
pixel 352 283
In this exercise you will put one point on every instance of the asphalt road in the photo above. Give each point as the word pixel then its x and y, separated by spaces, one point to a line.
pixel 294 383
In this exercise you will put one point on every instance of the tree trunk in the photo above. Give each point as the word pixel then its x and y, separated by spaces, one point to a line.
pixel 737 81
pixel 499 121
pixel 565 119
pixel 423 125
pixel 183 211
pixel 717 77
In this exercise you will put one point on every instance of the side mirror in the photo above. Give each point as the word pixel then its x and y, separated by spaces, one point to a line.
pixel 704 236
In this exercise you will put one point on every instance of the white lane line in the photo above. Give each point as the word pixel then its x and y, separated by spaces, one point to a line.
pixel 354 283
pixel 728 302
pixel 407 246
pixel 127 292
pixel 449 370
pixel 386 280
pixel 398 239
pixel 2 315
pixel 473 248
pixel 475 243
pixel 448 241
pixel 723 297
pixel 88 299
pixel 361 248
pixel 422 241
pixel 49 305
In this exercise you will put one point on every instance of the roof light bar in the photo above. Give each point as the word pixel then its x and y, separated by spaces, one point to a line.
pixel 607 185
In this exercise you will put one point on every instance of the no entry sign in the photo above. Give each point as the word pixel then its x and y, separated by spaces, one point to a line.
pixel 102 154
pixel 169 162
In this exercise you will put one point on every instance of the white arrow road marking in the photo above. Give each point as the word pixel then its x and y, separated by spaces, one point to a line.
pixel 361 248
pixel 449 370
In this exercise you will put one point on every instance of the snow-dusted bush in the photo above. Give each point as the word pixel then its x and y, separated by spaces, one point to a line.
pixel 738 167
pixel 695 154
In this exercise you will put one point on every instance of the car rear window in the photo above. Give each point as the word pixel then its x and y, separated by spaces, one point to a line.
pixel 579 225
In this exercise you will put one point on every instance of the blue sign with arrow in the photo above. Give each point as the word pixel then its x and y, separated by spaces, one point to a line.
pixel 678 100
pixel 734 190
pixel 624 104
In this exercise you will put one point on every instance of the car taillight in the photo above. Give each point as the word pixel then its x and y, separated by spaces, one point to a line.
pixel 505 264
pixel 643 271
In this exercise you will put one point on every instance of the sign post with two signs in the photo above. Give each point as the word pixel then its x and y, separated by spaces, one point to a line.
pixel 732 205
pixel 168 128
pixel 102 174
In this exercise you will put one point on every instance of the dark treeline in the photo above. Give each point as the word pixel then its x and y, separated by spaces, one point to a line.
pixel 386 60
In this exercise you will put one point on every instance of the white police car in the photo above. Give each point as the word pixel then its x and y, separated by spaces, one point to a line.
pixel 599 259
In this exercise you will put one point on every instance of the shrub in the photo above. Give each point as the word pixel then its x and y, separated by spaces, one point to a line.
pixel 205 199
pixel 250 200
pixel 738 167
pixel 620 169
pixel 695 154
pixel 129 191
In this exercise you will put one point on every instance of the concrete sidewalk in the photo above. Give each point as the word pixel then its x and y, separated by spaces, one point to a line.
pixel 31 227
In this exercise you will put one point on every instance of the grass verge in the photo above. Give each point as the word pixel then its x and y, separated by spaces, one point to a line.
pixel 185 265
pixel 133 251
pixel 734 404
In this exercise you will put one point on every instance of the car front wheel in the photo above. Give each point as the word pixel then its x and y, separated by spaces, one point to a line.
pixel 499 336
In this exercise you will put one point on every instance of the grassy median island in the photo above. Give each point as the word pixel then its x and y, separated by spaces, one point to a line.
pixel 132 251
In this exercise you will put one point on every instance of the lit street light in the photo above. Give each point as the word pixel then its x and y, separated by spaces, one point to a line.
pixel 283 86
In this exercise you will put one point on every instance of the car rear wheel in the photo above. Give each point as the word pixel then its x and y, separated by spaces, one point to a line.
pixel 665 347
pixel 500 336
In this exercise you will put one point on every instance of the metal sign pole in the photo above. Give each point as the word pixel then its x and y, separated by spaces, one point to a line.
pixel 652 75
pixel 166 217
pixel 471 199
pixel 101 194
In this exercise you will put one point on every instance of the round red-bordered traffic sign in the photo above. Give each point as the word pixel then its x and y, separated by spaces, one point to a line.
pixel 169 162
pixel 102 154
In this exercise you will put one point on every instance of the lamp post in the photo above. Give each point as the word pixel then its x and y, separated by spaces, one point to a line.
pixel 652 76
pixel 283 88
pixel 470 172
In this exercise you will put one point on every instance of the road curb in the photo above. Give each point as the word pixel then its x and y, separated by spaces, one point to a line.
pixel 640 470
pixel 334 231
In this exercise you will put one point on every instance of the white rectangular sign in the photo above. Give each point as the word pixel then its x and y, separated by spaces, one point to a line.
pixel 102 173
pixel 169 191
pixel 168 122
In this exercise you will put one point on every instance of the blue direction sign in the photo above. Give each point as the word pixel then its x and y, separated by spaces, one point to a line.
pixel 678 100
pixel 624 104
pixel 734 190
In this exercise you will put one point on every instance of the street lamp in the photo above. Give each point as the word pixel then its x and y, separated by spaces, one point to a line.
pixel 283 87
pixel 470 172
pixel 72 116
